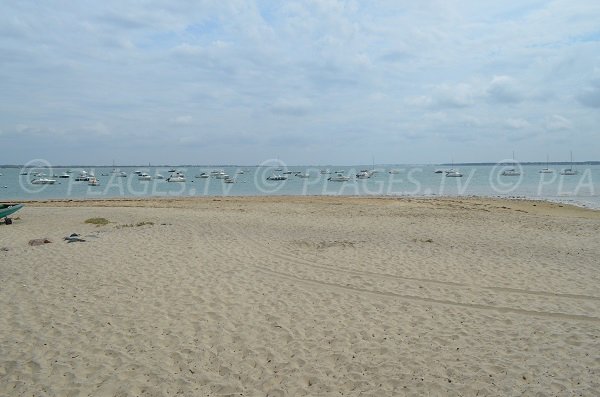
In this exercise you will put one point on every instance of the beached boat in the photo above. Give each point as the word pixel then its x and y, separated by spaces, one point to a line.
pixel 8 209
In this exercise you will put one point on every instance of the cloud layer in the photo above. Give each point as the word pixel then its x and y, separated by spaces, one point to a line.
pixel 320 81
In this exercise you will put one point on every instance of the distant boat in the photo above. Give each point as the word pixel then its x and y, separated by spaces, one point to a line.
pixel 511 171
pixel 276 177
pixel 142 176
pixel 393 171
pixel 203 175
pixel 363 174
pixel 546 170
pixel 176 177
pixel 452 173
pixel 64 175
pixel 439 171
pixel 338 178
pixel 302 174
pixel 82 177
pixel 159 176
pixel 43 181
pixel 570 170
pixel 92 181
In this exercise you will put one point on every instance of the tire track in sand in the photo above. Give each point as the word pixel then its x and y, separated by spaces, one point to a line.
pixel 319 283
pixel 293 258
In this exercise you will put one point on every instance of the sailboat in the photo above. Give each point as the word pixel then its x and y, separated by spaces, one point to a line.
pixel 546 170
pixel 570 170
pixel 114 169
pixel 511 171
pixel 453 173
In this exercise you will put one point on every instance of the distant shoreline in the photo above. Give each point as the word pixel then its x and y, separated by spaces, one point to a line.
pixel 588 162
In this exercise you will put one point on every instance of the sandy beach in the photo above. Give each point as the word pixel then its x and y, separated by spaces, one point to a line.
pixel 294 296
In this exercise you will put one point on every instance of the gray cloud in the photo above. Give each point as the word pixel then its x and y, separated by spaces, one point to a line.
pixel 294 78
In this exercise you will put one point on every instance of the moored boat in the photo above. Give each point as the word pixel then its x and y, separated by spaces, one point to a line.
pixel 43 181
pixel 176 177
pixel 276 177
pixel 338 178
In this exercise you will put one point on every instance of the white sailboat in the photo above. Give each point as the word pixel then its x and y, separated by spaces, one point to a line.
pixel 570 170
pixel 546 170
pixel 511 171
pixel 452 173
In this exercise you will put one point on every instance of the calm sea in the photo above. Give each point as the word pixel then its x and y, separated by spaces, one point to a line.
pixel 582 189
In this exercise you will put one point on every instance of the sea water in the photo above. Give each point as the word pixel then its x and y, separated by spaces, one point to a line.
pixel 582 189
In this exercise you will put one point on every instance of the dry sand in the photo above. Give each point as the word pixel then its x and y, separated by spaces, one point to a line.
pixel 301 296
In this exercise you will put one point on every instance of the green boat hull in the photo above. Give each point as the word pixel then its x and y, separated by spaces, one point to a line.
pixel 8 209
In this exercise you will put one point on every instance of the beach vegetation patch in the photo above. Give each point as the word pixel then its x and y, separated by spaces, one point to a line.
pixel 97 221
pixel 135 224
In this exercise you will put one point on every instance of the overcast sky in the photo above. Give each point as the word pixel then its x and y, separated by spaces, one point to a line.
pixel 309 82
